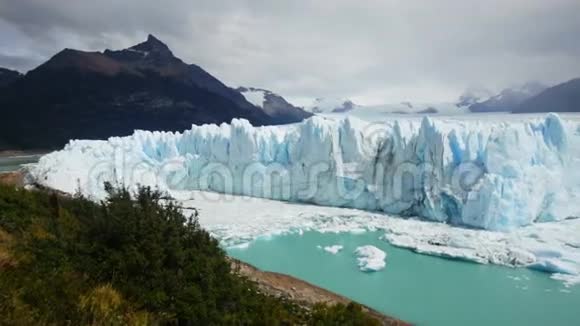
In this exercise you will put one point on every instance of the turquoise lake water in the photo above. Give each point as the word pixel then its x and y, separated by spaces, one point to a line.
pixel 418 288
pixel 14 163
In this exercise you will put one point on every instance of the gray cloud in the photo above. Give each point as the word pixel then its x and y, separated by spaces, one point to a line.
pixel 20 63
pixel 372 51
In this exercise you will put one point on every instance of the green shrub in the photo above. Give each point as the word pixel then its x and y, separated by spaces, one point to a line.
pixel 129 260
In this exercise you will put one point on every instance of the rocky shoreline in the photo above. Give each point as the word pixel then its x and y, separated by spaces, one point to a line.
pixel 299 291
pixel 15 178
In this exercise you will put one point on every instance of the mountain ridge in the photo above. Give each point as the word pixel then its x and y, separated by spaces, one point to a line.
pixel 508 99
pixel 95 95
pixel 564 97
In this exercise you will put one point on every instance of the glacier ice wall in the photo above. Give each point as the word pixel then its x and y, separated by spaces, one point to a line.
pixel 489 174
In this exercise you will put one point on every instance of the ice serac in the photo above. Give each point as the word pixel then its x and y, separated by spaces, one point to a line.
pixel 490 174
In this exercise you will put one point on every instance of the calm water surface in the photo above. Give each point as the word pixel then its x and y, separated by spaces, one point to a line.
pixel 417 288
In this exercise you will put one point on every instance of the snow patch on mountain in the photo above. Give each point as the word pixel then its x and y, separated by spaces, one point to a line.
pixel 255 96
pixel 274 105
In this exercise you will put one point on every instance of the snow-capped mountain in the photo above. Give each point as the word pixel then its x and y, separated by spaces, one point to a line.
pixel 508 99
pixel 274 105
pixel 417 108
pixel 473 95
pixel 334 108
pixel 563 97
pixel 331 105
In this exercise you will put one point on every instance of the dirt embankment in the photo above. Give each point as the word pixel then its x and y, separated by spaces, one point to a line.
pixel 15 178
pixel 299 291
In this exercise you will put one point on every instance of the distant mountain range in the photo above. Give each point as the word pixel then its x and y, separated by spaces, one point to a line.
pixel 564 97
pixel 95 95
pixel 508 99
pixel 472 96
pixel 530 98
pixel 339 106
pixel 330 105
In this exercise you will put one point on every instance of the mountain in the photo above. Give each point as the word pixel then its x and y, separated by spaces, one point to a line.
pixel 8 76
pixel 331 105
pixel 508 99
pixel 95 95
pixel 564 97
pixel 274 105
pixel 419 108
pixel 378 112
pixel 473 95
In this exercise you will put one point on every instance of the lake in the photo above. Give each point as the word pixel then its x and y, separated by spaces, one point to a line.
pixel 421 289
pixel 13 163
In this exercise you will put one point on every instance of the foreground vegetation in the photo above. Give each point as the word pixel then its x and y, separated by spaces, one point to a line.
pixel 129 260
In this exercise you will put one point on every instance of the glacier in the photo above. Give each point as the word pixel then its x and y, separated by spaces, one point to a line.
pixel 493 174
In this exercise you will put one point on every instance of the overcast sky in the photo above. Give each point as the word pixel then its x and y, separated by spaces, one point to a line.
pixel 371 51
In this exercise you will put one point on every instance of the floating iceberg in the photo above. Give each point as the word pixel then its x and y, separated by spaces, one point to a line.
pixel 488 174
pixel 335 249
pixel 370 258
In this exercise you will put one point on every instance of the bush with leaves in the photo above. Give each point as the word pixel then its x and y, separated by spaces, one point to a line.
pixel 129 260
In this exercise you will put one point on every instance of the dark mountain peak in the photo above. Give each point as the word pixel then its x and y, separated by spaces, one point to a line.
pixel 63 53
pixel 152 39
pixel 150 54
pixel 153 46
pixel 96 95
